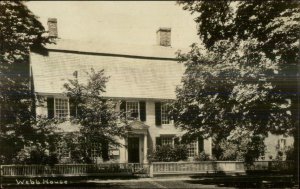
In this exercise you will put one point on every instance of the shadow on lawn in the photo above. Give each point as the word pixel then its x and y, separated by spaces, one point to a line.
pixel 250 180
pixel 72 182
pixel 71 186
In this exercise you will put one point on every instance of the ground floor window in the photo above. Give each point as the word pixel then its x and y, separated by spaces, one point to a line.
pixel 282 143
pixel 192 149
pixel 63 152
pixel 95 150
pixel 166 141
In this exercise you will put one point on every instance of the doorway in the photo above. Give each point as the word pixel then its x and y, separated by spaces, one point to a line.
pixel 133 150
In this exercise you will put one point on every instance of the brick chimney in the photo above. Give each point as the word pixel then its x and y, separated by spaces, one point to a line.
pixel 52 27
pixel 163 37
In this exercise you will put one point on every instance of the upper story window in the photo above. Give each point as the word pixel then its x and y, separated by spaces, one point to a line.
pixel 164 114
pixel 132 109
pixel 61 108
pixel 58 107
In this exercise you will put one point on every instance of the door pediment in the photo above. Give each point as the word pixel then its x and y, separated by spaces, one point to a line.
pixel 137 127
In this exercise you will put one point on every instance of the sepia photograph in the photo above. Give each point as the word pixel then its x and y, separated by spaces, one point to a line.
pixel 149 94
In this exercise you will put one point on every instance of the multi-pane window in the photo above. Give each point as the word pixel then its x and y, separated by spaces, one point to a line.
pixel 282 143
pixel 61 107
pixel 192 149
pixel 95 150
pixel 166 141
pixel 164 114
pixel 63 152
pixel 133 109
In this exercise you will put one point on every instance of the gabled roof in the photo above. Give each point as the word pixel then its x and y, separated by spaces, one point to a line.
pixel 109 48
pixel 150 73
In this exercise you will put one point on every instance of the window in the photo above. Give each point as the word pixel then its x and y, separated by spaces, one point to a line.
pixel 282 143
pixel 166 141
pixel 63 152
pixel 192 149
pixel 61 107
pixel 95 150
pixel 133 109
pixel 164 114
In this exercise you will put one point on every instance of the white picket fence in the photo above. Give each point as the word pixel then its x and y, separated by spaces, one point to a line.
pixel 160 168
pixel 70 169
pixel 155 168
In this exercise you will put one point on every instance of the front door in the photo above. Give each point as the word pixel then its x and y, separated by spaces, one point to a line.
pixel 133 150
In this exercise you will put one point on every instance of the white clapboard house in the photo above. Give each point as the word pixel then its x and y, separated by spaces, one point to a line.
pixel 143 77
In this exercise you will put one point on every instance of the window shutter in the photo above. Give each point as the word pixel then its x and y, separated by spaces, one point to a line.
pixel 158 141
pixel 176 141
pixel 142 110
pixel 123 109
pixel 123 106
pixel 105 150
pixel 158 113
pixel 200 144
pixel 72 106
pixel 50 107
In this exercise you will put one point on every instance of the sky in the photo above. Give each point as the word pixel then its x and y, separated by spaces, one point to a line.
pixel 118 22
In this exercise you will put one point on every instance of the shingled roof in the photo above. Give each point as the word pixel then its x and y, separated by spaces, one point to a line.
pixel 135 71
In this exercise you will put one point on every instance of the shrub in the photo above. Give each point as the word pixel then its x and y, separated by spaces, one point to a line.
pixel 36 156
pixel 290 153
pixel 168 153
pixel 202 157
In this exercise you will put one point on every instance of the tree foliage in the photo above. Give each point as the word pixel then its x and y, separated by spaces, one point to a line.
pixel 240 146
pixel 41 147
pixel 20 32
pixel 224 91
pixel 100 122
pixel 246 76
pixel 274 24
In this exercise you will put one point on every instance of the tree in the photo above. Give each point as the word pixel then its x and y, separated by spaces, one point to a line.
pixel 222 93
pixel 274 24
pixel 41 146
pixel 241 79
pixel 20 33
pixel 100 122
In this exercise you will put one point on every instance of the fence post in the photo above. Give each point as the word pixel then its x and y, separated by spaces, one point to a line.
pixel 1 173
pixel 151 170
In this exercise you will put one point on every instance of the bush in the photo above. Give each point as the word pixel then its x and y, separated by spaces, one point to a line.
pixel 290 153
pixel 202 157
pixel 168 153
pixel 241 148
pixel 36 156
